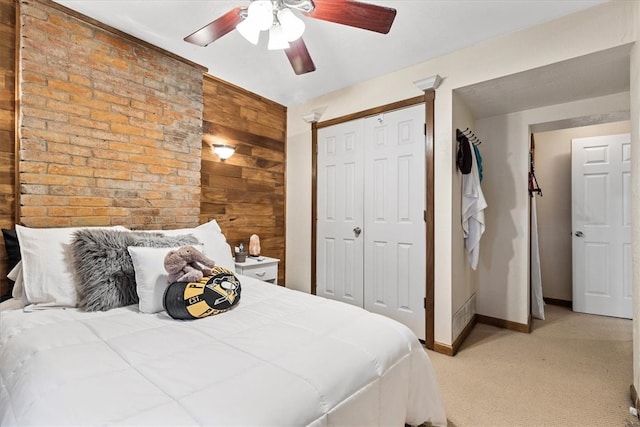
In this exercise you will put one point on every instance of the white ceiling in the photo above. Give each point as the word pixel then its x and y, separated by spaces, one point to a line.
pixel 589 76
pixel 423 29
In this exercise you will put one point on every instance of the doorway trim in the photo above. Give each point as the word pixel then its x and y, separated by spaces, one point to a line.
pixel 429 102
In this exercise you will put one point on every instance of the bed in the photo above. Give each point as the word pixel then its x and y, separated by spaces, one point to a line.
pixel 278 358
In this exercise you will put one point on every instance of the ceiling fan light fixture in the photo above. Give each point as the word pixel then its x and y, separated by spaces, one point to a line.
pixel 292 26
pixel 277 39
pixel 261 14
pixel 249 30
pixel 282 19
pixel 305 6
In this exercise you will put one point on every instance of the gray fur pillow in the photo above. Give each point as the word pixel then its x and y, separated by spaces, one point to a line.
pixel 104 273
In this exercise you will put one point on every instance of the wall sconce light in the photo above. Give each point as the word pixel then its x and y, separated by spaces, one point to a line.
pixel 224 151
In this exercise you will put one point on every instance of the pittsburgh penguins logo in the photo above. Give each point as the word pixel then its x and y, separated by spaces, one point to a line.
pixel 211 295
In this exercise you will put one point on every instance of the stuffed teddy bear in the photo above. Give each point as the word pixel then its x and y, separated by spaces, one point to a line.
pixel 185 264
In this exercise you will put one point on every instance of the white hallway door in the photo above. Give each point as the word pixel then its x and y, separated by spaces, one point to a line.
pixel 371 243
pixel 601 222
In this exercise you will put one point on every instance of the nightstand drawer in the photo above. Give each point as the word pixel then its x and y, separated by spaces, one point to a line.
pixel 263 268
pixel 266 273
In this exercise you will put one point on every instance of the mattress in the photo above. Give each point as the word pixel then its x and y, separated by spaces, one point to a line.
pixel 279 358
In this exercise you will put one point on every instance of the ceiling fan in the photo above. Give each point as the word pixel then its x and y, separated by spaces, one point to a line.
pixel 285 28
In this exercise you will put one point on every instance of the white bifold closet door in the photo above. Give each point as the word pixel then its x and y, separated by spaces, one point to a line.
pixel 371 239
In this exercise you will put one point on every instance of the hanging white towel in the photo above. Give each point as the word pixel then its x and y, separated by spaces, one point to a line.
pixel 537 300
pixel 473 206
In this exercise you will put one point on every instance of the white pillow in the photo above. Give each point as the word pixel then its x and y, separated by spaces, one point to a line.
pixel 151 277
pixel 215 244
pixel 47 267
pixel 18 287
pixel 16 275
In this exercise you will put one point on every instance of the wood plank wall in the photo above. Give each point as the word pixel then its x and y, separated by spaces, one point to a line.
pixel 7 124
pixel 246 193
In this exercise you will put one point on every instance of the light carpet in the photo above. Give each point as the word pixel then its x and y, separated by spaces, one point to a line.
pixel 572 370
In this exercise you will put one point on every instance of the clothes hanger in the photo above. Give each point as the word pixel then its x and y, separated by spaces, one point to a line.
pixel 471 136
pixel 533 181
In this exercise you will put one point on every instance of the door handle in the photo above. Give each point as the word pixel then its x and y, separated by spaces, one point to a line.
pixel 357 231
pixel 579 234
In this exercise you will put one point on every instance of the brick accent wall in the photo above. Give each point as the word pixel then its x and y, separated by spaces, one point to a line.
pixel 110 129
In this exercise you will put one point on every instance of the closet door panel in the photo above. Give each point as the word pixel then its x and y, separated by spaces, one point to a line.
pixel 394 216
pixel 380 191
pixel 379 286
pixel 404 276
pixel 339 268
pixel 352 278
pixel 405 171
pixel 327 273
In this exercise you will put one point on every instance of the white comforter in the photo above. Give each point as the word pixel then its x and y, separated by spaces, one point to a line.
pixel 280 358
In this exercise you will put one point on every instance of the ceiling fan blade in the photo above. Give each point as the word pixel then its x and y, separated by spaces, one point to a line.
pixel 216 29
pixel 299 57
pixel 355 14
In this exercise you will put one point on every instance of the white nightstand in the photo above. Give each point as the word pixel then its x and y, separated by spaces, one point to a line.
pixel 262 268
